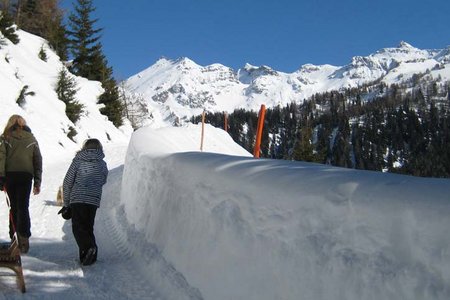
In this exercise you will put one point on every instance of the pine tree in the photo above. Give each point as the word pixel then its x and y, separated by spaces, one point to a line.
pixel 45 19
pixel 265 141
pixel 42 54
pixel 84 40
pixel 341 147
pixel 303 148
pixel 110 98
pixel 66 90
pixel 7 27
pixel 21 100
pixel 28 17
pixel 89 60
pixel 357 147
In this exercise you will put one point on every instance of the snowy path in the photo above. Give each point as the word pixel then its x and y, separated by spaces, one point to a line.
pixel 51 268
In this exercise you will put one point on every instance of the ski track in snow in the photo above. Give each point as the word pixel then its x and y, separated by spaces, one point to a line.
pixel 52 270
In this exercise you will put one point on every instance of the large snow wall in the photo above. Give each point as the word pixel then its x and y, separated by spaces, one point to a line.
pixel 243 228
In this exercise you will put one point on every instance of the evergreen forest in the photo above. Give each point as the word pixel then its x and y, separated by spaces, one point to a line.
pixel 398 128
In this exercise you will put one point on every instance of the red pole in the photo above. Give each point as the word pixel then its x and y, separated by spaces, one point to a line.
pixel 225 126
pixel 259 130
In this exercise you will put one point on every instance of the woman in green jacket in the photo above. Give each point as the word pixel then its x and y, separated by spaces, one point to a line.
pixel 20 165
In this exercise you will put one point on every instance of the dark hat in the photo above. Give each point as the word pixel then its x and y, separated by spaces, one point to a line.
pixel 92 144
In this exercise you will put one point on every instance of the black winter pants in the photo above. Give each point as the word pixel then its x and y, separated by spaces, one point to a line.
pixel 18 187
pixel 83 217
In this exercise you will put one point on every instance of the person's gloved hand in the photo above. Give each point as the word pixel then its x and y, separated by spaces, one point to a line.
pixel 66 212
pixel 2 183
pixel 36 190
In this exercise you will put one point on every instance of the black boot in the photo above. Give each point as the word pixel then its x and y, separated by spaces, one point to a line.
pixel 90 257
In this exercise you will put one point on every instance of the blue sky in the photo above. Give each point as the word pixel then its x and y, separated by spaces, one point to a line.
pixel 282 34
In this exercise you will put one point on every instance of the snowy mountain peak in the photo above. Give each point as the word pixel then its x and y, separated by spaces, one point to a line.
pixel 250 73
pixel 260 71
pixel 186 63
pixel 181 88
pixel 179 63
pixel 164 61
pixel 309 68
pixel 403 51
pixel 404 44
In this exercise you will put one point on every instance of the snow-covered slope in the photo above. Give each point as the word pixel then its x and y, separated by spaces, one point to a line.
pixel 21 67
pixel 181 88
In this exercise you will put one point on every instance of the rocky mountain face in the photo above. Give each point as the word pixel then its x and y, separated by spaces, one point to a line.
pixel 178 89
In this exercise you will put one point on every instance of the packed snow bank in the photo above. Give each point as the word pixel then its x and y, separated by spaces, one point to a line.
pixel 242 228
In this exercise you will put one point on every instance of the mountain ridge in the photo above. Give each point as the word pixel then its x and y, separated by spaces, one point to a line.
pixel 182 88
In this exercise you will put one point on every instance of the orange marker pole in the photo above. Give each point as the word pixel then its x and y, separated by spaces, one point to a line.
pixel 262 113
pixel 225 125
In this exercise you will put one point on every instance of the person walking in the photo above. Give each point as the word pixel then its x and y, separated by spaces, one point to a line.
pixel 20 166
pixel 82 192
